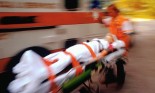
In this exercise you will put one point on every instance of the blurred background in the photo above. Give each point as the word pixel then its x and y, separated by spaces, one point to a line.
pixel 54 24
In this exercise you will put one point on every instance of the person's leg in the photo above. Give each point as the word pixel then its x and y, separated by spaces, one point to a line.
pixel 59 80
pixel 7 76
pixel 32 70
pixel 63 61
pixel 28 72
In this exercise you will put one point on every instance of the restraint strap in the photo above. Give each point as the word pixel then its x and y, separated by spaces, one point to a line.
pixel 54 87
pixel 75 63
pixel 90 50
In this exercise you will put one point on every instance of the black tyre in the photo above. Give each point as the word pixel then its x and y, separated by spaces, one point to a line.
pixel 120 72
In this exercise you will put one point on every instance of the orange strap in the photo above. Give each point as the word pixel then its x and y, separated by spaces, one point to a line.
pixel 48 62
pixel 51 77
pixel 75 63
pixel 90 50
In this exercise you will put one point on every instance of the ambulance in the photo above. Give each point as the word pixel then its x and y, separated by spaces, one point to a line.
pixel 45 23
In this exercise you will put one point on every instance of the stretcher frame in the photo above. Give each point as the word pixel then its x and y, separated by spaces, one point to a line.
pixel 85 77
pixel 68 87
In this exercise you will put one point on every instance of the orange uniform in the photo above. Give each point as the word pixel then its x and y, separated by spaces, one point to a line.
pixel 116 27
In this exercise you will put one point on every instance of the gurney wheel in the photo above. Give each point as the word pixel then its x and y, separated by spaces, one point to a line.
pixel 120 72
pixel 116 74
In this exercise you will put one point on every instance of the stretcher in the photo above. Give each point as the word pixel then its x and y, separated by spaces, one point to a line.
pixel 81 79
pixel 69 85
pixel 77 81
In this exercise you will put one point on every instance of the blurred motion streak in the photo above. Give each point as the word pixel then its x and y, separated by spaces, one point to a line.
pixel 137 8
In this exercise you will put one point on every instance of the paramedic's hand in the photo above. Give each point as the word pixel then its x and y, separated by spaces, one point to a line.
pixel 118 44
pixel 128 32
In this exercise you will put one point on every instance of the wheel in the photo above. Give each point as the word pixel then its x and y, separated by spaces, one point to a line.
pixel 114 74
pixel 120 72
pixel 110 76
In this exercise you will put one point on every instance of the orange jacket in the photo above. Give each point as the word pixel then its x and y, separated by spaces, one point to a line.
pixel 115 27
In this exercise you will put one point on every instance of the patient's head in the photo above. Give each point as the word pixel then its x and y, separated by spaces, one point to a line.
pixel 110 38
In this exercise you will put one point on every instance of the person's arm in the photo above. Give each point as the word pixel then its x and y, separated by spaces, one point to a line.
pixel 115 45
pixel 118 44
pixel 101 55
pixel 127 27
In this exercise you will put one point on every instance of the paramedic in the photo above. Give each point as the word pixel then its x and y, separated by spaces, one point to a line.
pixel 118 24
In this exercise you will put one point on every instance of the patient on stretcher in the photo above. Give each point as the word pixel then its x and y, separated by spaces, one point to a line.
pixel 33 70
